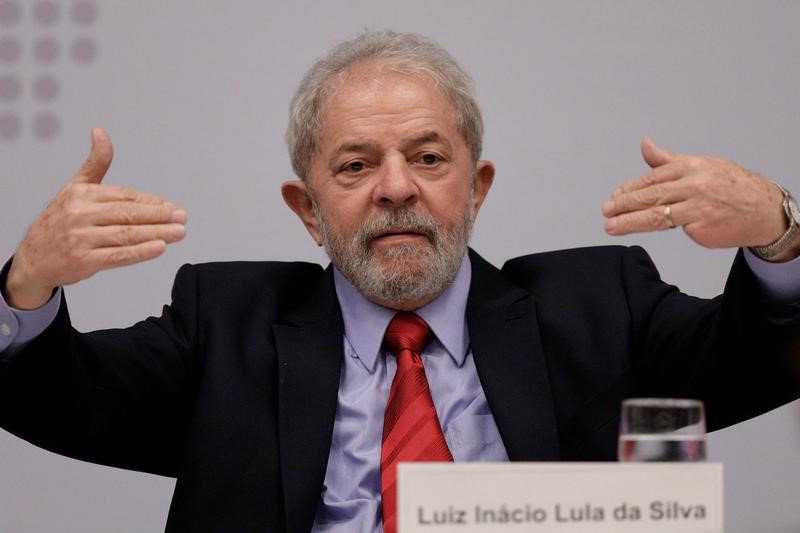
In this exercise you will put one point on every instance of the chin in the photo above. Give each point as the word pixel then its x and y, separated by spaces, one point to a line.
pixel 412 269
pixel 405 253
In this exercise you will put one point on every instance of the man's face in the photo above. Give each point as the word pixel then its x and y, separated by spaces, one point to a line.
pixel 392 188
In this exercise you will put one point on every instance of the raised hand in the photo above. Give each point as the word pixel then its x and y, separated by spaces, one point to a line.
pixel 717 203
pixel 90 227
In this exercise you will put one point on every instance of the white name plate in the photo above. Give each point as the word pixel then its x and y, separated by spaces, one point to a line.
pixel 560 497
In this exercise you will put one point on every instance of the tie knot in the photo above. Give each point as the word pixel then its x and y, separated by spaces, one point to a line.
pixel 407 331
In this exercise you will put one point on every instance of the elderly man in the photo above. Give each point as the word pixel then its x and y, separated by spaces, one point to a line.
pixel 282 395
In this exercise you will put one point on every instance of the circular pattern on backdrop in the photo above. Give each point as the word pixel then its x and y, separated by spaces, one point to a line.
pixel 84 13
pixel 45 50
pixel 45 125
pixel 43 84
pixel 9 126
pixel 83 50
pixel 9 13
pixel 10 87
pixel 10 50
pixel 46 12
pixel 45 88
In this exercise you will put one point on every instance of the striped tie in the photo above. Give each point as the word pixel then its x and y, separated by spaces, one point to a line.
pixel 411 429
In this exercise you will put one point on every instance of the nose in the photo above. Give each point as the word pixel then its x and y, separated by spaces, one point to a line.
pixel 396 186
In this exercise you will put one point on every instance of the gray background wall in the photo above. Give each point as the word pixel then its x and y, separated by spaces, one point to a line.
pixel 195 96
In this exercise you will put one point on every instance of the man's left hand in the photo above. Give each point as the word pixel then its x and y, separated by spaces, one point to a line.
pixel 717 203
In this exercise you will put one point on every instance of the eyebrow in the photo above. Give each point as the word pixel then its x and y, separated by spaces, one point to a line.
pixel 353 147
pixel 371 147
pixel 425 138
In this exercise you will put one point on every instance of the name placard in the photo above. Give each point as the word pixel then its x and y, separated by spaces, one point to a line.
pixel 560 497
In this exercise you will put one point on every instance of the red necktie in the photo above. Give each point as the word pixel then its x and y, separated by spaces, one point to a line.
pixel 411 429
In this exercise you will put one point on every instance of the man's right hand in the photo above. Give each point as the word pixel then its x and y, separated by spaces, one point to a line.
pixel 90 227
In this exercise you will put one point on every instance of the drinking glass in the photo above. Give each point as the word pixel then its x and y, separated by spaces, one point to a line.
pixel 662 429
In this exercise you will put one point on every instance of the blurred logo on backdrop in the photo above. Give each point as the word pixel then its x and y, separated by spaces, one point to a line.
pixel 38 40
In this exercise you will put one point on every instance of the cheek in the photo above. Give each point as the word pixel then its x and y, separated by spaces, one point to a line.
pixel 450 206
pixel 344 219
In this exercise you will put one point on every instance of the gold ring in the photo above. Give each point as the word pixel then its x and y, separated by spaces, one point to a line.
pixel 668 216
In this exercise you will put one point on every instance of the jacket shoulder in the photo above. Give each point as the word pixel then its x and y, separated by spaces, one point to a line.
pixel 574 264
pixel 249 284
pixel 278 273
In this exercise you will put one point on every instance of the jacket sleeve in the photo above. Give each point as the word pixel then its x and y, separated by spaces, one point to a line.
pixel 739 352
pixel 612 329
pixel 120 397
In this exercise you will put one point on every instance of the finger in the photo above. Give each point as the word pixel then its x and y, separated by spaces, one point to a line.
pixel 655 156
pixel 105 258
pixel 96 165
pixel 652 219
pixel 654 176
pixel 114 193
pixel 116 236
pixel 127 213
pixel 653 195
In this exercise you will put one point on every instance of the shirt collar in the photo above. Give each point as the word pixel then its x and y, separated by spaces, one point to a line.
pixel 365 322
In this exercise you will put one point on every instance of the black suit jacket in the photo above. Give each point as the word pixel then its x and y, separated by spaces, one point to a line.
pixel 233 389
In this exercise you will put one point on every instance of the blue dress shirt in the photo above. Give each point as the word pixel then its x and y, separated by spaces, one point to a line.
pixel 351 495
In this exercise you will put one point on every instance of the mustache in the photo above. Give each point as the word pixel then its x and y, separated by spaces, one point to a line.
pixel 401 221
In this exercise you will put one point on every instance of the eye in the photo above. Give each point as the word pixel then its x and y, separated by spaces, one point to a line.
pixel 354 167
pixel 429 159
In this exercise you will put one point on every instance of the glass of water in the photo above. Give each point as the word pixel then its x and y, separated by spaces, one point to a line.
pixel 662 429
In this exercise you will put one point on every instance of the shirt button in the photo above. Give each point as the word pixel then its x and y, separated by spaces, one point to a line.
pixel 5 330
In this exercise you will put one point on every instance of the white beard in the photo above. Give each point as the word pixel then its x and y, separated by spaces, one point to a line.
pixel 405 273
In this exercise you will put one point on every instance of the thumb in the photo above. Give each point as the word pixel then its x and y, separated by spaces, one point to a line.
pixel 96 165
pixel 655 156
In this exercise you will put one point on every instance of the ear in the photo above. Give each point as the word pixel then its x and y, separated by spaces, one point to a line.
pixel 484 176
pixel 298 198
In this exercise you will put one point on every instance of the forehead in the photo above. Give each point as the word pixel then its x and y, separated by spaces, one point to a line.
pixel 370 100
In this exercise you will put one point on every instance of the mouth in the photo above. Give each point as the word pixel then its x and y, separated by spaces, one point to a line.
pixel 393 237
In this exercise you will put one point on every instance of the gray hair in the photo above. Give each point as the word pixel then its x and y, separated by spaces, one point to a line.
pixel 406 53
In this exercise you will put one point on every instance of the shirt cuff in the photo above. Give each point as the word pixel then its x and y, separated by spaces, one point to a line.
pixel 18 327
pixel 780 281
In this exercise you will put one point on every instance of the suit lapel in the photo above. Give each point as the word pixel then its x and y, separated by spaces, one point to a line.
pixel 508 355
pixel 505 341
pixel 310 351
